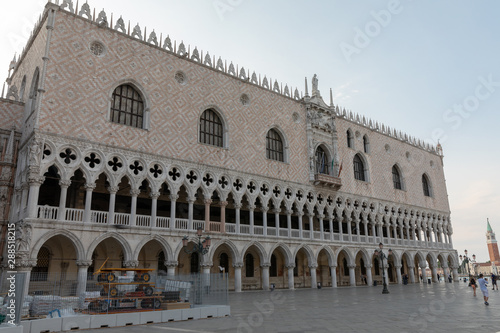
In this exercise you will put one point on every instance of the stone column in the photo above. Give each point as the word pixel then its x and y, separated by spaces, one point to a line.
pixel 352 275
pixel 87 214
pixel 237 276
pixel 349 228
pixel 450 242
pixel 434 273
pixel 171 266
pixel 398 274
pixel 154 207
pixel 369 277
pixel 223 205
pixel 207 214
pixel 330 224
pixel 265 276
pixel 291 284
pixel 173 200
pixel 341 229
pixel 423 266
pixel 289 222
pixel 374 233
pixel 112 199
pixel 131 264
pixel 251 209
pixel 333 273
pixel 24 198
pixel 300 214
pixel 16 208
pixel 446 271
pixel 358 233
pixel 277 221
pixel 365 226
pixel 411 273
pixel 35 183
pixel 237 207
pixel 314 279
pixel 81 287
pixel 133 209
pixel 321 227
pixel 61 214
pixel 311 224
pixel 455 273
pixel 206 274
pixel 24 266
pixel 264 220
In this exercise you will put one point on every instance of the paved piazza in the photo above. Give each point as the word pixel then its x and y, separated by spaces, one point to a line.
pixel 412 308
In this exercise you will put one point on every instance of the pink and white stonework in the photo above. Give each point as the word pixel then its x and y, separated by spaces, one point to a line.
pixel 87 188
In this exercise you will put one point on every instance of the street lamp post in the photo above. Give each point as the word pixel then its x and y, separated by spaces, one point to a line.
pixel 466 260
pixel 382 256
pixel 201 248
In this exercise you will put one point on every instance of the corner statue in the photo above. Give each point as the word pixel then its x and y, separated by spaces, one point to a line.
pixel 315 91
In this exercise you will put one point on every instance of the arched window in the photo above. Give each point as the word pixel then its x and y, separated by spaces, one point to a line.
pixel 127 107
pixel 377 268
pixel 321 161
pixel 224 262
pixel 34 90
pixel 350 139
pixel 396 178
pixel 273 270
pixel 366 144
pixel 346 268
pixel 249 265
pixel 41 270
pixel 426 186
pixel 211 129
pixel 359 168
pixel 194 262
pixel 23 88
pixel 274 146
pixel 161 262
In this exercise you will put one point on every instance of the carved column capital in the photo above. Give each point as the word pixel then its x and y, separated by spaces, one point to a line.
pixel 135 192
pixel 238 265
pixel 113 189
pixel 90 186
pixel 174 197
pixel 131 264
pixel 84 263
pixel 208 201
pixel 65 183
pixel 154 195
pixel 223 203
pixel 171 263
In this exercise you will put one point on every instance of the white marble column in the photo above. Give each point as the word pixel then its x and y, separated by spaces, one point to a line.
pixel 112 199
pixel 24 198
pixel 423 266
pixel 237 207
pixel 154 208
pixel 321 227
pixel 237 277
pixel 171 266
pixel 455 273
pixel 251 209
pixel 300 214
pixel 314 280
pixel 61 214
pixel 341 229
pixel 398 274
pixel 265 276
pixel 87 213
pixel 173 200
pixel 352 275
pixel 289 213
pixel 349 228
pixel 369 277
pixel 208 202
pixel 264 219
pixel 291 283
pixel 277 221
pixel 223 205
pixel 83 266
pixel 311 224
pixel 411 273
pixel 434 273
pixel 330 224
pixel 134 193
pixel 374 233
pixel 34 190
pixel 333 273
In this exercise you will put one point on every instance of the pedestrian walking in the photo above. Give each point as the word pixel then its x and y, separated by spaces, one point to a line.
pixel 472 284
pixel 483 286
pixel 494 281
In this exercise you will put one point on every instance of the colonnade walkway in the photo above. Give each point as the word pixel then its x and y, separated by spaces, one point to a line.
pixel 438 307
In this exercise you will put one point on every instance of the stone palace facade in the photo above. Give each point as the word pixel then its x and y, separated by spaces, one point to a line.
pixel 117 142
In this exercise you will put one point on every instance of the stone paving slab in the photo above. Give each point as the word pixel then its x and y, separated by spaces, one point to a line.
pixel 412 308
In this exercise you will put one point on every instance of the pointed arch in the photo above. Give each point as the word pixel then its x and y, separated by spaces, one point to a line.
pixel 427 186
pixel 348 254
pixel 128 105
pixel 261 251
pixel 286 251
pixel 330 254
pixel 232 248
pixel 77 243
pixel 212 128
pixel 167 250
pixel 311 257
pixel 127 251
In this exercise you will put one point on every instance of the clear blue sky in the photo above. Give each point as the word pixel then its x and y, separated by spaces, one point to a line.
pixel 420 70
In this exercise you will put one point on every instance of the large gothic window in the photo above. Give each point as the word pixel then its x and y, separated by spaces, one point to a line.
pixel 211 129
pixel 127 107
pixel 274 146
pixel 396 178
pixel 426 186
pixel 359 168
pixel 366 144
pixel 321 161
pixel 249 268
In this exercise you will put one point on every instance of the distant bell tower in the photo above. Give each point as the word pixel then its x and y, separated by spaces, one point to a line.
pixel 492 245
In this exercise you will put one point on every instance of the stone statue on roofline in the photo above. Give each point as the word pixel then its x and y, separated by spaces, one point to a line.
pixel 315 91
